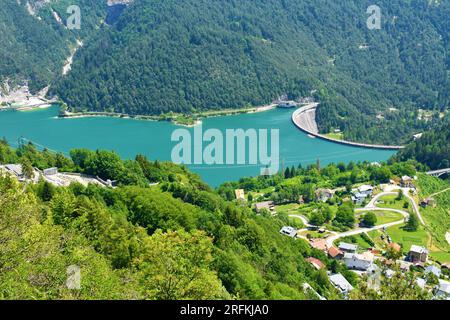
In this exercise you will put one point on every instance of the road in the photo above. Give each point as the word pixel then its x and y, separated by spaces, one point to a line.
pixel 330 240
pixel 372 203
pixel 371 206
pixel 438 193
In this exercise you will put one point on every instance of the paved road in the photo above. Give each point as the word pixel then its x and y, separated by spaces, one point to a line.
pixel 330 240
pixel 405 191
pixel 415 206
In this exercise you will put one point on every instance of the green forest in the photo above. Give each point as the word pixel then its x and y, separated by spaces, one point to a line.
pixel 190 56
pixel 178 239
pixel 432 149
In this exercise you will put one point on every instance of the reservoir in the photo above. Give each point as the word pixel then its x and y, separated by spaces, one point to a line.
pixel 129 137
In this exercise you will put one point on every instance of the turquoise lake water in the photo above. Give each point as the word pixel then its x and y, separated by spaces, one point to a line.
pixel 129 137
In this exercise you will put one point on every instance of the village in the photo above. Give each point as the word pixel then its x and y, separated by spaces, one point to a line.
pixel 384 257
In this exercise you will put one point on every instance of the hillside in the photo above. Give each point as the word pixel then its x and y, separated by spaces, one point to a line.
pixel 175 240
pixel 432 149
pixel 35 41
pixel 165 56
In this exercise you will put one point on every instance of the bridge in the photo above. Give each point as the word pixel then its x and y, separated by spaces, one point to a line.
pixel 438 173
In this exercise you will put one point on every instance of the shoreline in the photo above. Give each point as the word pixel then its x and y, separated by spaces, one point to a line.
pixel 312 130
pixel 186 120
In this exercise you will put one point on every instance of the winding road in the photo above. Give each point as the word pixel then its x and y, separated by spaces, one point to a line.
pixel 371 206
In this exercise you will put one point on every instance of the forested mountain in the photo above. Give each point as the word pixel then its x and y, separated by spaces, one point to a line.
pixel 165 56
pixel 432 149
pixel 35 41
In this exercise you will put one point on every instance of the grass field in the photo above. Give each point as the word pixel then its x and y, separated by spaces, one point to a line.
pixel 391 201
pixel 429 185
pixel 408 238
pixel 384 217
pixel 333 135
pixel 438 221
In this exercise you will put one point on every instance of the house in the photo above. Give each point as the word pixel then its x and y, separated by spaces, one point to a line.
pixel 417 254
pixel 405 266
pixel 323 195
pixel 316 263
pixel 427 202
pixel 240 194
pixel 348 248
pixel 407 182
pixel 359 198
pixel 341 283
pixel 287 104
pixel 50 171
pixel 15 169
pixel 319 244
pixel 289 231
pixel 443 290
pixel 421 282
pixel 267 205
pixel 433 269
pixel 357 261
pixel 335 253
pixel 366 189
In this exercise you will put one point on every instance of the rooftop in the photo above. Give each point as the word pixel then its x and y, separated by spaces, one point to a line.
pixel 339 281
pixel 348 247
pixel 418 249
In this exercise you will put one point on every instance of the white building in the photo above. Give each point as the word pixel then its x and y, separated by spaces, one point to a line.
pixel 356 261
pixel 347 247
pixel 366 189
pixel 289 231
pixel 443 290
pixel 341 283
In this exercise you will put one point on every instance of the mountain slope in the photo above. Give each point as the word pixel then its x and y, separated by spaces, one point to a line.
pixel 183 55
pixel 35 42
pixel 432 149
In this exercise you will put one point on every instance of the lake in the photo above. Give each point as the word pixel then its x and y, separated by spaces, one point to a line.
pixel 129 137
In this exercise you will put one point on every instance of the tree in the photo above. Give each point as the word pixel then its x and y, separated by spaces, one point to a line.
pixel 317 218
pixel 399 287
pixel 27 168
pixel 413 222
pixel 176 265
pixel 47 191
pixel 369 219
pixel 345 215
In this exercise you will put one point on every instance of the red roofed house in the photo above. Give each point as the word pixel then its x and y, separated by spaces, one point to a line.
pixel 335 253
pixel 320 244
pixel 316 263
